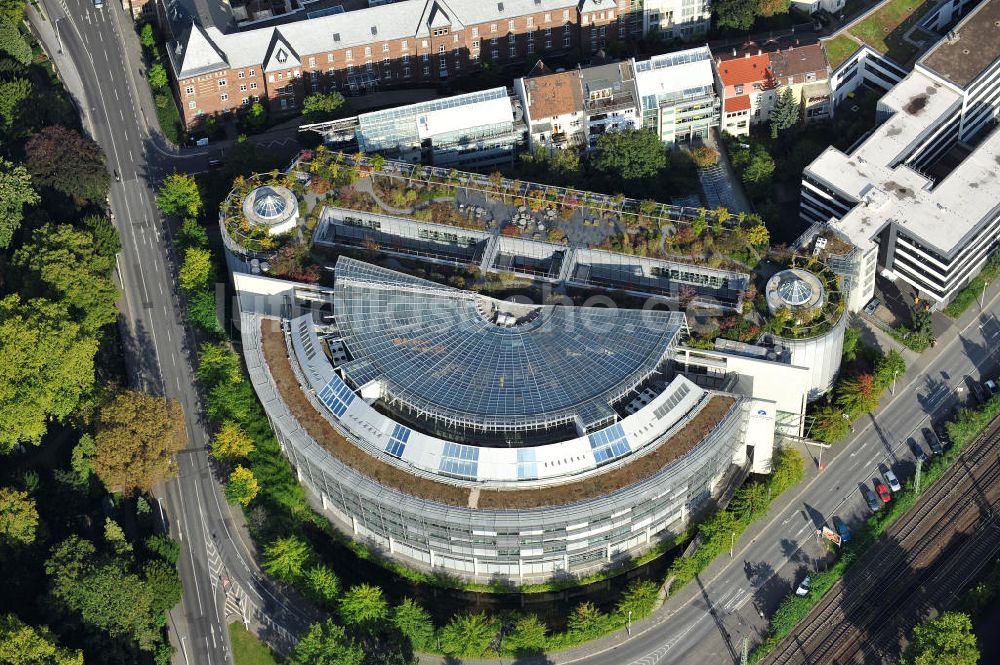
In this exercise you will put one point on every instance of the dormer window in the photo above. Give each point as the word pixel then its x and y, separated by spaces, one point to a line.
pixel 438 32
pixel 282 55
pixel 739 89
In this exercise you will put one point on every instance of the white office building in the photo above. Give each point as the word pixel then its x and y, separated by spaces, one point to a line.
pixel 919 198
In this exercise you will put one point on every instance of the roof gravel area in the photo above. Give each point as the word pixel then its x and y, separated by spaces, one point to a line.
pixel 276 356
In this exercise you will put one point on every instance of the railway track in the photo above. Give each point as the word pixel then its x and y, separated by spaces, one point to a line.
pixel 923 561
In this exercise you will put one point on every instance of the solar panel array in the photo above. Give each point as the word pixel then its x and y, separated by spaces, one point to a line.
pixel 337 396
pixel 609 444
pixel 397 442
pixel 434 350
pixel 460 461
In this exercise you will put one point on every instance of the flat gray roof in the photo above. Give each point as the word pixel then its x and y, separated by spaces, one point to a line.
pixel 941 214
pixel 977 46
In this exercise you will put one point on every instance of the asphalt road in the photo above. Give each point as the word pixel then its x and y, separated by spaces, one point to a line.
pixel 711 616
pixel 216 566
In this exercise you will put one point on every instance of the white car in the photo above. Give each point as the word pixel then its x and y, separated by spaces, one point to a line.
pixel 98 4
pixel 803 589
pixel 892 480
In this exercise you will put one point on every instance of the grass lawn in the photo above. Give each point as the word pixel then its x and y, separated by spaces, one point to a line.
pixel 247 649
pixel 169 116
pixel 884 29
pixel 839 49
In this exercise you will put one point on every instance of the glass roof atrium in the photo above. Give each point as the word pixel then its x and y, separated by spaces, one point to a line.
pixel 268 203
pixel 468 361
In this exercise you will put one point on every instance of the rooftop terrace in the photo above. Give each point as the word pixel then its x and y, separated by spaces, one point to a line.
pixel 970 48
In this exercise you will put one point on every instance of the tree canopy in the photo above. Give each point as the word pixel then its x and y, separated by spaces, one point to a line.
pixel 631 155
pixel 136 436
pixel 736 14
pixel 286 557
pixel 48 367
pixel 242 486
pixel 158 77
pixel 325 644
pixel 18 517
pixel 63 263
pixel 13 95
pixel 231 442
pixel 179 196
pixel 16 192
pixel 21 644
pixel 196 272
pixel 947 640
pixel 13 44
pixel 363 604
pixel 322 106
pixel 785 113
pixel 68 162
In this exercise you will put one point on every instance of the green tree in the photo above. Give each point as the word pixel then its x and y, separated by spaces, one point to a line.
pixel 82 456
pixel 888 368
pixel 13 44
pixel 178 196
pixel 363 604
pixel 68 162
pixel 947 640
pixel 137 436
pixel 191 234
pixel 147 35
pixel 103 593
pixel 736 14
pixel 785 113
pixel 217 363
pixel 12 11
pixel 231 442
pixel 852 336
pixel 415 623
pixel 21 644
pixel 323 583
pixel 62 263
pixel 14 97
pixel 527 637
pixel 758 236
pixel 242 486
pixel 759 172
pixel 164 586
pixel 18 517
pixel 106 240
pixel 640 597
pixel 257 115
pixel 325 644
pixel 115 537
pixel 158 77
pixel 322 106
pixel 47 368
pixel 229 401
pixel 632 156
pixel 773 7
pixel 858 395
pixel 830 424
pixel 164 547
pixel 203 311
pixel 467 634
pixel 196 272
pixel 286 557
pixel 16 192
pixel 586 621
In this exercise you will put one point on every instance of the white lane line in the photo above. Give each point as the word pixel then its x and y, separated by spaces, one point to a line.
pixel 177 378
pixel 122 114
pixel 159 285
pixel 131 158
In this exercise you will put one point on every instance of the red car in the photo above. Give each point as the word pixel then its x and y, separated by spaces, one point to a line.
pixel 882 491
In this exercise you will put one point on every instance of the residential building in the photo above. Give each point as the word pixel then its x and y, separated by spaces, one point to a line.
pixel 553 107
pixel 748 90
pixel 676 19
pixel 610 102
pixel 812 6
pixel 752 82
pixel 677 94
pixel 418 42
pixel 919 194
pixel 474 130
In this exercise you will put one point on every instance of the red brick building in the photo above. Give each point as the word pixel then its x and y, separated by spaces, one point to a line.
pixel 415 42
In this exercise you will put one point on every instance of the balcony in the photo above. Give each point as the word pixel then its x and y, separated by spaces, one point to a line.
pixel 609 104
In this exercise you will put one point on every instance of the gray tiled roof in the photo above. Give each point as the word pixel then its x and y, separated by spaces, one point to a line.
pixel 398 20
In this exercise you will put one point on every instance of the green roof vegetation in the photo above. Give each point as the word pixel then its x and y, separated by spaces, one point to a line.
pixel 839 49
pixel 883 30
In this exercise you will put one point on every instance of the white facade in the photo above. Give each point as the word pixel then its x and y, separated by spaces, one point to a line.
pixel 676 19
pixel 677 94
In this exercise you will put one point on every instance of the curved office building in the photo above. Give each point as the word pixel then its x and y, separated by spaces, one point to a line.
pixel 486 438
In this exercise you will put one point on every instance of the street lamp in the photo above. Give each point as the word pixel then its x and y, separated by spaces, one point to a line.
pixel 732 543
pixel 893 391
pixel 628 624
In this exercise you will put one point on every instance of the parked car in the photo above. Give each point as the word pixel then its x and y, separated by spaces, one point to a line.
pixel 803 588
pixel 932 442
pixel 991 385
pixel 870 498
pixel 842 530
pixel 882 490
pixel 98 4
pixel 872 306
pixel 891 479
pixel 918 452
pixel 942 433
